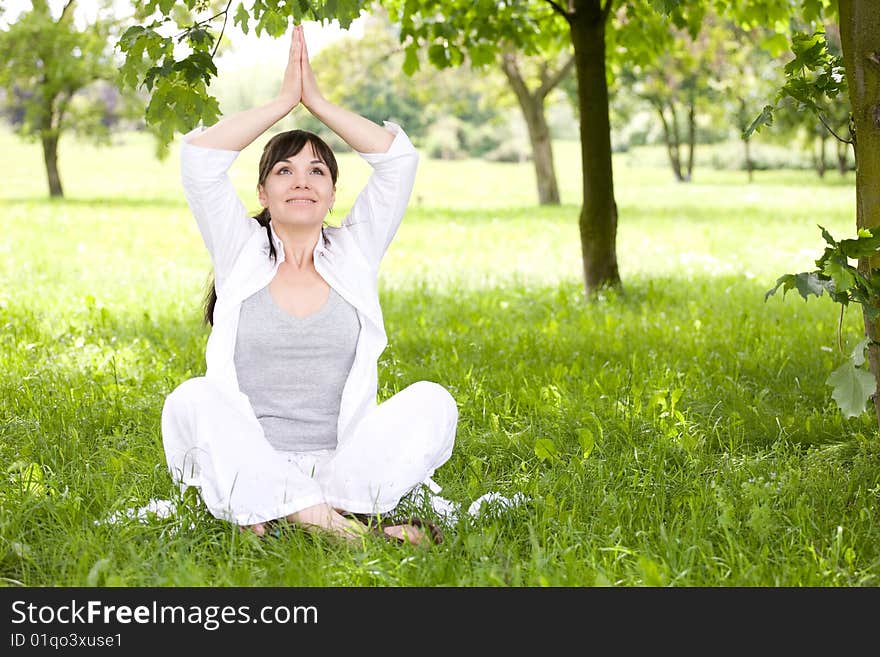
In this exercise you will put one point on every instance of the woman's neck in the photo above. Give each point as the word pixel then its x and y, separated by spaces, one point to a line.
pixel 299 244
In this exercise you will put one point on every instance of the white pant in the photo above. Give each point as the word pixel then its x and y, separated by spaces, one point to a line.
pixel 213 444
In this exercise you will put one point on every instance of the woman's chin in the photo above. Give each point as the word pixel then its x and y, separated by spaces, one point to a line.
pixel 298 220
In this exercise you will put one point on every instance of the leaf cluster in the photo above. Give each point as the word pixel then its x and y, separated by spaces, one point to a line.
pixel 814 80
pixel 171 52
pixel 835 274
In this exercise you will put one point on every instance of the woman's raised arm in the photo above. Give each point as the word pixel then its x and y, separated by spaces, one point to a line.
pixel 235 132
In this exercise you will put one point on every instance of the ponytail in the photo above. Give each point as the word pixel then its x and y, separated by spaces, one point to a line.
pixel 211 296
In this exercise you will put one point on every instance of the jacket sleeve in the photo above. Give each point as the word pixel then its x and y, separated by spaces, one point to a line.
pixel 222 219
pixel 380 206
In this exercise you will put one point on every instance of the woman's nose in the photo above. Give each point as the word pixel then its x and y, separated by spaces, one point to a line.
pixel 299 180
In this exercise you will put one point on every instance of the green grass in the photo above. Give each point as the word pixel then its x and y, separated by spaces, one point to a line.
pixel 684 432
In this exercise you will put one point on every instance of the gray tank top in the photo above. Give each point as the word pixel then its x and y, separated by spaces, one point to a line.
pixel 293 369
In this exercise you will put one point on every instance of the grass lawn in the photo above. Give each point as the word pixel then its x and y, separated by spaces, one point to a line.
pixel 679 433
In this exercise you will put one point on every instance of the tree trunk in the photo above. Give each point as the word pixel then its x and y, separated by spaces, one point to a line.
pixel 750 167
pixel 747 145
pixel 532 106
pixel 842 157
pixel 819 158
pixel 692 135
pixel 860 40
pixel 50 157
pixel 670 136
pixel 598 219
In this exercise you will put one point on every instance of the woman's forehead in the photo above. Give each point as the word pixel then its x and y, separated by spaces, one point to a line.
pixel 310 150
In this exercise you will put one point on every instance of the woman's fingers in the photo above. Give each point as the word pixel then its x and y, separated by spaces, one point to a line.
pixel 302 38
pixel 291 84
pixel 311 93
pixel 296 44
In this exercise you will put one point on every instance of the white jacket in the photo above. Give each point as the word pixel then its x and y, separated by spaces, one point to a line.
pixel 347 257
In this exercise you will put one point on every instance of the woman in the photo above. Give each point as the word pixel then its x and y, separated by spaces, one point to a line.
pixel 285 424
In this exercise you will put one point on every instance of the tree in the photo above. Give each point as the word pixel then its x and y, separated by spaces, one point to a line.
pixel 859 23
pixel 749 75
pixel 672 83
pixel 597 31
pixel 452 28
pixel 532 99
pixel 815 75
pixel 49 64
pixel 531 73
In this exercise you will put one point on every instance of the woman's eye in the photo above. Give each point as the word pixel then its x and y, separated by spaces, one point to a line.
pixel 283 170
pixel 318 170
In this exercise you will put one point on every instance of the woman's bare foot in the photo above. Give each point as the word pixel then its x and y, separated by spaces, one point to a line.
pixel 413 531
pixel 259 529
pixel 406 533
pixel 323 518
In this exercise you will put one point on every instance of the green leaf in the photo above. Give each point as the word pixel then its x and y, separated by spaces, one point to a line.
pixel 165 6
pixel 411 61
pixel 587 442
pixel 810 51
pixel 346 12
pixel 764 118
pixel 775 44
pixel 858 354
pixel 827 236
pixel 242 18
pixel 666 6
pixel 838 270
pixel 862 247
pixel 852 387
pixel 199 36
pixel 438 56
pixel 545 449
pixel 806 283
pixel 481 55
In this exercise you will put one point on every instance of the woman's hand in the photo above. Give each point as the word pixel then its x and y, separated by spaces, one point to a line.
pixel 360 133
pixel 311 95
pixel 292 82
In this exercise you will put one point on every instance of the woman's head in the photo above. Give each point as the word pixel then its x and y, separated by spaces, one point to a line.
pixel 297 178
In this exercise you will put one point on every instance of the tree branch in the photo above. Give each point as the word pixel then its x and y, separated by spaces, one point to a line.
pixel 201 22
pixel 511 70
pixel 836 136
pixel 68 6
pixel 606 9
pixel 559 10
pixel 222 29
pixel 556 78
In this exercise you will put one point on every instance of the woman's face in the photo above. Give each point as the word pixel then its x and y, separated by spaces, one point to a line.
pixel 299 190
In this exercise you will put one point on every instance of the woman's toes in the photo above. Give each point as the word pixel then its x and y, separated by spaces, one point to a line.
pixel 406 533
pixel 259 529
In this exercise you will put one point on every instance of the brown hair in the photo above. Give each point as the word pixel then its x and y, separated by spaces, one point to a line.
pixel 280 147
